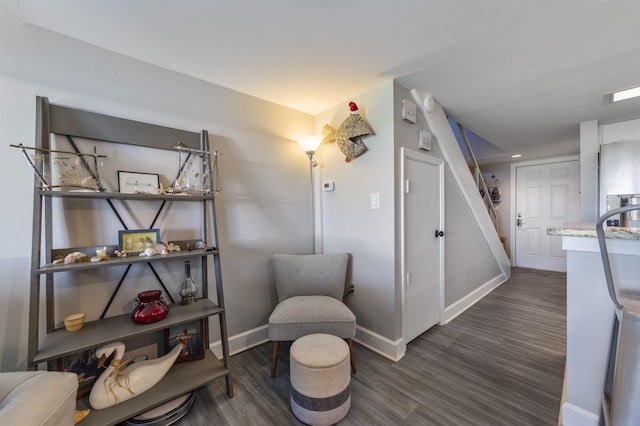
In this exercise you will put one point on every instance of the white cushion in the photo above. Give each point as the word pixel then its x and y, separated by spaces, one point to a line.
pixel 298 316
pixel 38 398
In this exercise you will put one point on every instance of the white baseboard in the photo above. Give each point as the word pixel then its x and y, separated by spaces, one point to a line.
pixel 393 350
pixel 380 344
pixel 472 298
pixel 576 416
pixel 257 336
pixel 243 341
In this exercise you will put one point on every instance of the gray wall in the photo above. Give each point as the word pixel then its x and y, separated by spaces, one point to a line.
pixel 372 236
pixel 264 204
pixel 348 223
pixel 264 207
pixel 472 266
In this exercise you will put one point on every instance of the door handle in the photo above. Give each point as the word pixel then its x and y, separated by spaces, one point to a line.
pixel 439 233
pixel 519 220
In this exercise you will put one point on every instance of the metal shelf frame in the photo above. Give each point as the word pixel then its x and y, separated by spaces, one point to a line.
pixel 54 343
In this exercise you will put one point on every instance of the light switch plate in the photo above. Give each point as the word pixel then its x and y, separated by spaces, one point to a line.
pixel 375 200
pixel 408 111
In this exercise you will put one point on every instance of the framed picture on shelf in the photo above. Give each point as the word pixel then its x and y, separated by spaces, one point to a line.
pixel 189 335
pixel 137 240
pixel 138 183
pixel 84 364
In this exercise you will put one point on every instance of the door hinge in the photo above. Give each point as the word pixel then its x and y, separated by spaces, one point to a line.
pixel 406 186
pixel 406 280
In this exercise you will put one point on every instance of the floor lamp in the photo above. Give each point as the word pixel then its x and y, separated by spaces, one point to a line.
pixel 309 144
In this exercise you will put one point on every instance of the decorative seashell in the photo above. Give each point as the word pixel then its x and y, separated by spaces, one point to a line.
pixel 56 261
pixel 171 246
pixel 76 256
pixel 96 259
pixel 200 245
pixel 149 252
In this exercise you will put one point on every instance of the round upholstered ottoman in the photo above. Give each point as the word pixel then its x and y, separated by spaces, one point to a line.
pixel 320 378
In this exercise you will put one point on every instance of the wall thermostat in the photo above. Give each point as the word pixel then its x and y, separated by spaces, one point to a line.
pixel 408 111
pixel 328 186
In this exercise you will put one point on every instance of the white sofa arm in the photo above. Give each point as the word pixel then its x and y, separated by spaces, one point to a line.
pixel 38 398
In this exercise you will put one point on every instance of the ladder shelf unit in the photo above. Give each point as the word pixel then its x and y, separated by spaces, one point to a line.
pixel 52 342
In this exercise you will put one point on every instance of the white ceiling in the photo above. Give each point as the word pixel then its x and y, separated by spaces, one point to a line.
pixel 522 74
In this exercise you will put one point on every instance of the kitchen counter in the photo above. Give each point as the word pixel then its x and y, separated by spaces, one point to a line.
pixel 590 311
pixel 589 230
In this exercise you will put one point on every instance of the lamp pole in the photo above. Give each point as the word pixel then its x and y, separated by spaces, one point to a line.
pixel 313 203
pixel 309 144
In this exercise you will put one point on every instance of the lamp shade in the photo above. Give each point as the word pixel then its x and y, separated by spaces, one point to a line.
pixel 310 143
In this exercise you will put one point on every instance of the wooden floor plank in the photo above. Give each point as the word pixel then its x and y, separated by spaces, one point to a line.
pixel 499 363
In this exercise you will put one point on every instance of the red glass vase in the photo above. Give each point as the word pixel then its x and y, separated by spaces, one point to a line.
pixel 149 307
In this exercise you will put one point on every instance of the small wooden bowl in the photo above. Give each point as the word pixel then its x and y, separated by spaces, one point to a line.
pixel 74 322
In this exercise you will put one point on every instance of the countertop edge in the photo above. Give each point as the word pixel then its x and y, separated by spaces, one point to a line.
pixel 588 230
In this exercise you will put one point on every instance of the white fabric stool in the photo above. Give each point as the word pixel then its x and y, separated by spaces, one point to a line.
pixel 320 379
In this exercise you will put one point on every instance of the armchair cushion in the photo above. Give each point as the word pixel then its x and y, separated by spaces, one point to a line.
pixel 298 316
pixel 312 274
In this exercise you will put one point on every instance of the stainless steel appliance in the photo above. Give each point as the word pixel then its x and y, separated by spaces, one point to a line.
pixel 619 181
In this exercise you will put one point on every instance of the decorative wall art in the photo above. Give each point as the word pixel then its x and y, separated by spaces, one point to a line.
pixel 493 186
pixel 138 183
pixel 137 240
pixel 348 134
pixel 84 364
pixel 189 335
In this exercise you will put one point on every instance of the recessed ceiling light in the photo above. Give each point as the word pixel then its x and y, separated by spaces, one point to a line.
pixel 516 156
pixel 622 95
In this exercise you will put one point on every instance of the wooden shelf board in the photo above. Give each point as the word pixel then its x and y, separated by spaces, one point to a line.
pixel 95 333
pixel 122 196
pixel 182 378
pixel 115 261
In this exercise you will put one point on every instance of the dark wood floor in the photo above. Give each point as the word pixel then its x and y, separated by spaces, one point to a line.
pixel 499 363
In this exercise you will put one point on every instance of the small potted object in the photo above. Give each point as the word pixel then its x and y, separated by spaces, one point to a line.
pixel 74 322
pixel 150 307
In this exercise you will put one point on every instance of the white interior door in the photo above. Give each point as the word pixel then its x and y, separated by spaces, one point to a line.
pixel 422 178
pixel 546 195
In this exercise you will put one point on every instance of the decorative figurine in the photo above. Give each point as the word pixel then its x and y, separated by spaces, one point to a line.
pixel 122 381
pixel 347 136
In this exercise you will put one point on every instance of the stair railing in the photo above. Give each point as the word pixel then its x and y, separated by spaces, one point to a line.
pixel 482 187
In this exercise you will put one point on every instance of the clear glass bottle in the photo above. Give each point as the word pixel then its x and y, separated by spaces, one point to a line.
pixel 189 287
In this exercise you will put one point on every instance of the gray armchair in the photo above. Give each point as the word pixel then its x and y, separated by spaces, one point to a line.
pixel 310 291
